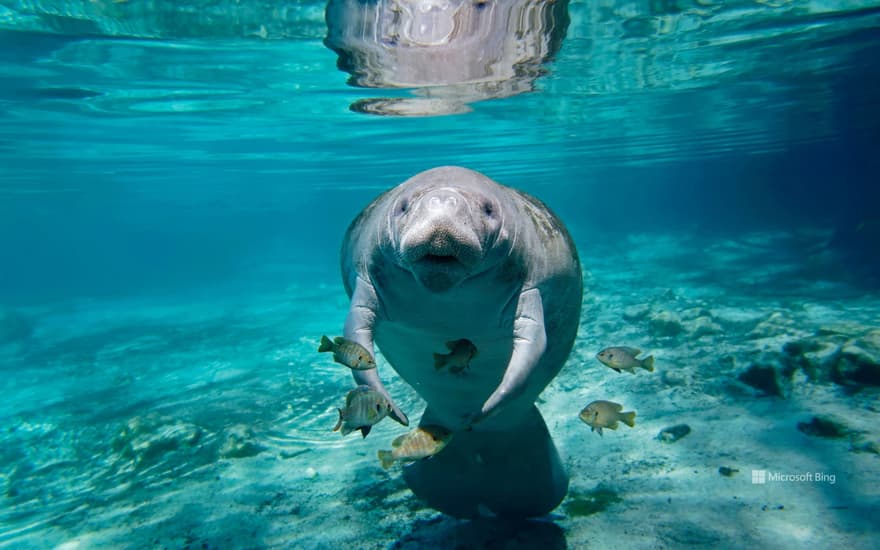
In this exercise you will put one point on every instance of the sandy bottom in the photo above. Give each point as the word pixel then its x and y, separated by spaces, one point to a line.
pixel 182 423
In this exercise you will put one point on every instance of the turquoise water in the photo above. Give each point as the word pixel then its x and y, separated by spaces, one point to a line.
pixel 175 183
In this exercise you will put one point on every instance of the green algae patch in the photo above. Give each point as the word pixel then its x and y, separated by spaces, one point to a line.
pixel 590 502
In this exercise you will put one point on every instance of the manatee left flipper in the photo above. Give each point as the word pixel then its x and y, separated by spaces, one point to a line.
pixel 529 343
pixel 359 323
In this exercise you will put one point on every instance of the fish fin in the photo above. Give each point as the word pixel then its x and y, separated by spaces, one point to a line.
pixel 612 425
pixel 599 429
pixel 339 340
pixel 326 344
pixel 617 407
pixel 398 441
pixel 386 458
pixel 631 370
pixel 451 344
pixel 628 418
pixel 648 363
pixel 633 351
pixel 439 361
pixel 365 430
pixel 614 368
pixel 338 422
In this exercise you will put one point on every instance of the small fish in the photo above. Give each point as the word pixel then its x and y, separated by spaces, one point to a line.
pixel 420 443
pixel 605 414
pixel 364 407
pixel 624 358
pixel 459 357
pixel 351 354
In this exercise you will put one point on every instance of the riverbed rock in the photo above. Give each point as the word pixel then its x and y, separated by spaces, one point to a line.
pixel 240 442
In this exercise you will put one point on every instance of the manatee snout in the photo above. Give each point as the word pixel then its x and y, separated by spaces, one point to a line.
pixel 440 243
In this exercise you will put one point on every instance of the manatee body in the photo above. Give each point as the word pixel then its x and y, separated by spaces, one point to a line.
pixel 451 254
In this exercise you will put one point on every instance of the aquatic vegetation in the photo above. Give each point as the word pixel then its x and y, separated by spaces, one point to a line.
pixel 582 504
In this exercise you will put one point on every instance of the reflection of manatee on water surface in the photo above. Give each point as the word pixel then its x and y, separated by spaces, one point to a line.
pixel 451 254
pixel 454 52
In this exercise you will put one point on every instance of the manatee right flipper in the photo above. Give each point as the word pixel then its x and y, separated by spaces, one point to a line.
pixel 359 328
pixel 515 473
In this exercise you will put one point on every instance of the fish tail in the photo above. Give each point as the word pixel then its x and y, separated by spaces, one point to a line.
pixel 440 361
pixel 628 418
pixel 648 363
pixel 386 458
pixel 338 422
pixel 326 344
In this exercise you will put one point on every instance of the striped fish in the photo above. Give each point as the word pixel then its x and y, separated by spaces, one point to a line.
pixel 348 353
pixel 364 407
pixel 420 443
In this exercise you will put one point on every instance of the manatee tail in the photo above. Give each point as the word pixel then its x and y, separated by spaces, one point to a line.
pixel 440 360
pixel 648 363
pixel 326 344
pixel 628 418
pixel 513 472
pixel 386 458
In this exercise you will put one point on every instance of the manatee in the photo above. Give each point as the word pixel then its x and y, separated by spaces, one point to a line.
pixel 453 52
pixel 451 254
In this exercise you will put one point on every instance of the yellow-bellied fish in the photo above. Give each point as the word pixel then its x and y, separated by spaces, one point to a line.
pixel 351 354
pixel 459 357
pixel 605 414
pixel 420 443
pixel 364 407
pixel 624 358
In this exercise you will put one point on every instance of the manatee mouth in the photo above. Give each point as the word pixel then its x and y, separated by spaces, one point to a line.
pixel 439 260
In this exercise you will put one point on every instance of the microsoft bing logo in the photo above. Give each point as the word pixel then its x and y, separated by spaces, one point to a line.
pixel 759 476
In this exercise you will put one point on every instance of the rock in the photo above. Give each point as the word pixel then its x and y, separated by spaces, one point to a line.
pixel 775 324
pixel 636 313
pixel 703 326
pixel 146 440
pixel 665 324
pixel 764 378
pixel 859 362
pixel 816 355
pixel 673 433
pixel 693 313
pixel 827 427
pixel 240 442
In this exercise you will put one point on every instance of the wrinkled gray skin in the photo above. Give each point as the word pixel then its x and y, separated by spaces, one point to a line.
pixel 454 51
pixel 451 254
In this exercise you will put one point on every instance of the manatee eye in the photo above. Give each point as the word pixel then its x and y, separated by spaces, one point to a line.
pixel 403 206
pixel 480 4
pixel 488 208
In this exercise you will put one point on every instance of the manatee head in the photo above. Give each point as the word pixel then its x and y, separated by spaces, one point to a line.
pixel 446 225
